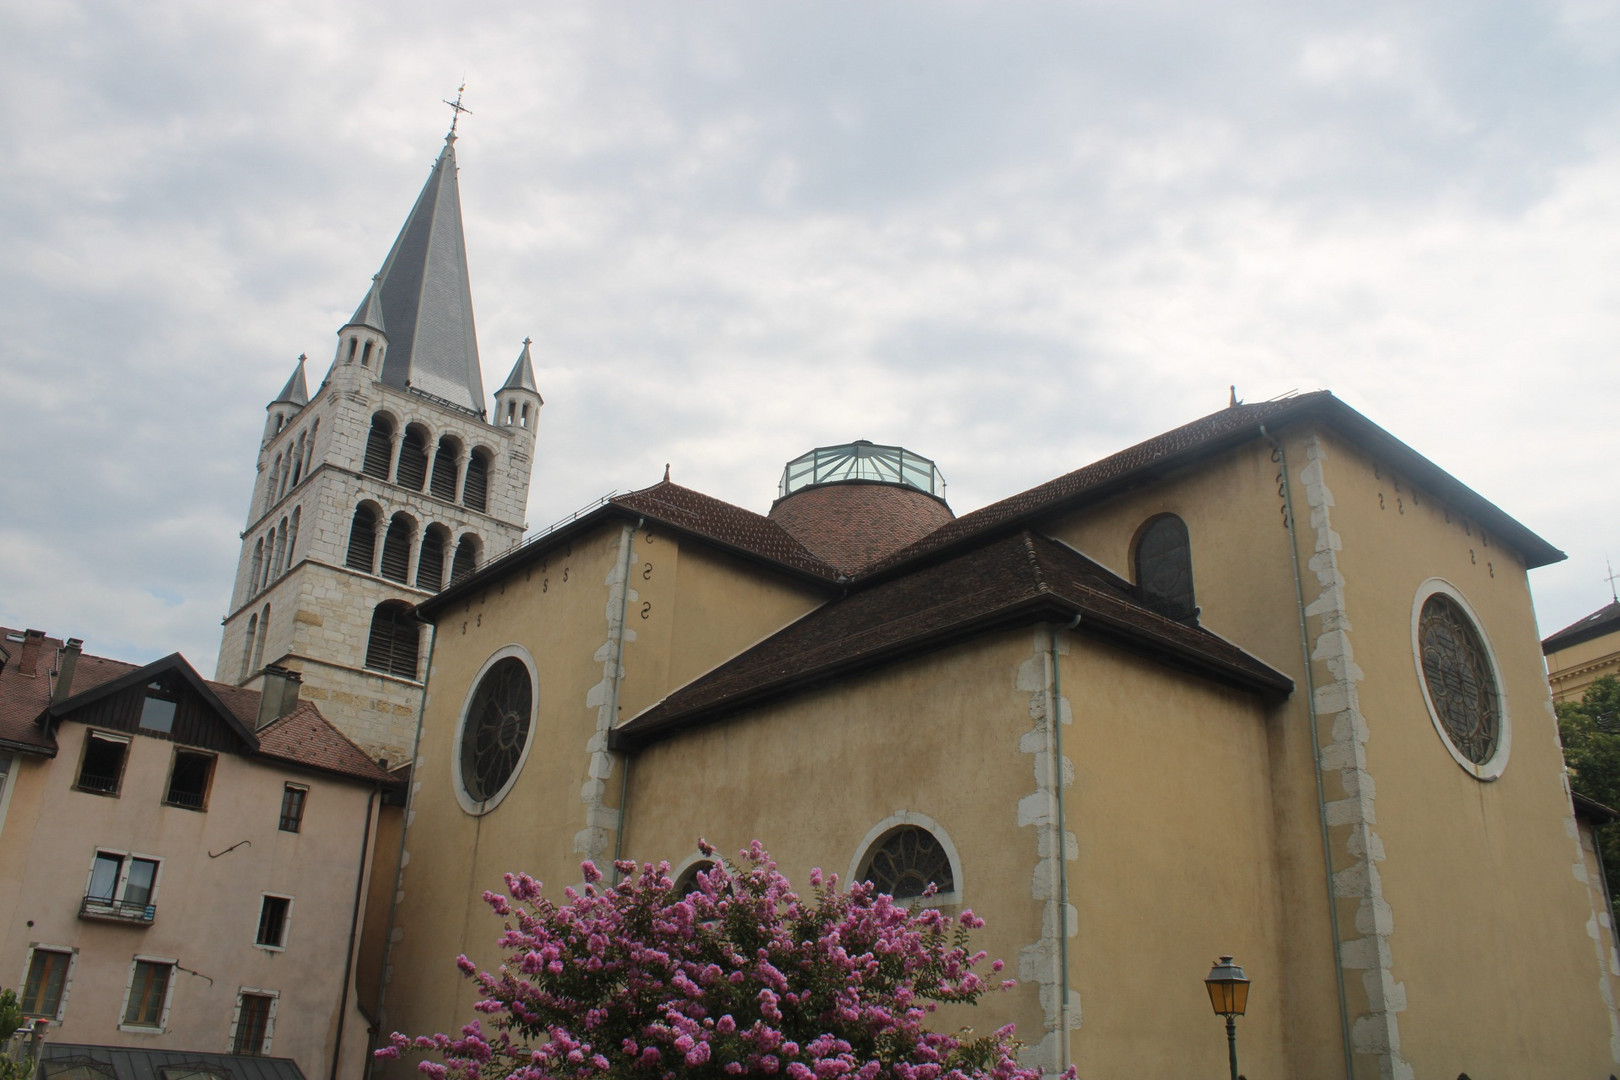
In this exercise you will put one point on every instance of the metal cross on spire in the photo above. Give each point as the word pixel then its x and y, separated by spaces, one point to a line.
pixel 457 106
pixel 1611 579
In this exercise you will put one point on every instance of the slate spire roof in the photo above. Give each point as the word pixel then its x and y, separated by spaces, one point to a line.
pixel 425 298
pixel 369 313
pixel 522 377
pixel 296 391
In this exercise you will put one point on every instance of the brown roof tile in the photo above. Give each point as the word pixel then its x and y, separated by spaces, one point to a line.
pixel 1016 580
pixel 302 738
pixel 729 526
pixel 854 524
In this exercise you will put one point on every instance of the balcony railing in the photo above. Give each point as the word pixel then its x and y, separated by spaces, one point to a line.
pixel 105 785
pixel 123 911
pixel 188 800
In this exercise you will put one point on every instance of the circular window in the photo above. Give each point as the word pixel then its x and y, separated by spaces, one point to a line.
pixel 496 728
pixel 1459 681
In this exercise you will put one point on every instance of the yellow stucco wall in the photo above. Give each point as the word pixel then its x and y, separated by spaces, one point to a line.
pixel 1574 668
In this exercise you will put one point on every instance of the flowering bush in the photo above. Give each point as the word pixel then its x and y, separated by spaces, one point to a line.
pixel 738 978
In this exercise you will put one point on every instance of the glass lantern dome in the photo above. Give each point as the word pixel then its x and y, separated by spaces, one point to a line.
pixel 862 460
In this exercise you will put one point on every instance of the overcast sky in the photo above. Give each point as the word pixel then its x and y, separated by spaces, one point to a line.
pixel 1014 237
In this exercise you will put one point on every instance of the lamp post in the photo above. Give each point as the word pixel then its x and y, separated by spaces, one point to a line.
pixel 1229 994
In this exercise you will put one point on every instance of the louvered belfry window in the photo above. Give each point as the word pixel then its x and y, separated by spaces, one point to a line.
pixel 396 553
pixel 362 541
pixel 466 560
pixel 412 461
pixel 444 470
pixel 379 446
pixel 392 645
pixel 476 494
pixel 430 564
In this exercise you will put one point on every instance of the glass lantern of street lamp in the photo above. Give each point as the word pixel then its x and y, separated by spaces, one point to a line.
pixel 1228 988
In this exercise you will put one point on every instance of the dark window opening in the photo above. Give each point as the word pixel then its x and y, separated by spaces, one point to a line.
pixel 444 470
pixel 396 553
pixel 362 541
pixel 365 355
pixel 252 1024
pixel 292 807
pixel 188 782
pixel 42 990
pixel 147 992
pixel 907 861
pixel 412 461
pixel 688 883
pixel 1164 567
pixel 393 641
pixel 103 767
pixel 475 495
pixel 466 560
pixel 157 711
pixel 379 447
pixel 273 921
pixel 430 563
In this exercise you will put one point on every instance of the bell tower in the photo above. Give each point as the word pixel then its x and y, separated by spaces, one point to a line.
pixel 381 488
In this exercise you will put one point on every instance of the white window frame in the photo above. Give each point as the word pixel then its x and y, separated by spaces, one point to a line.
pixel 168 995
pixel 269 1023
pixel 9 771
pixel 105 736
pixel 922 821
pixel 463 799
pixel 72 952
pixel 122 884
pixel 1493 768
pixel 286 923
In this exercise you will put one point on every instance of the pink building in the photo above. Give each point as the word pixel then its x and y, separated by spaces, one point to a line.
pixel 183 863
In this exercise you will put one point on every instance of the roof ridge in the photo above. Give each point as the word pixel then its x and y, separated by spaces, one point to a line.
pixel 1034 563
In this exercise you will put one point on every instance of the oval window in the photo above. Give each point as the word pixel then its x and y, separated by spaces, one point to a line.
pixel 495 731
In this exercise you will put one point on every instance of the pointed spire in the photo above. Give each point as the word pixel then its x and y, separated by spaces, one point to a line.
pixel 522 377
pixel 296 391
pixel 369 313
pixel 424 298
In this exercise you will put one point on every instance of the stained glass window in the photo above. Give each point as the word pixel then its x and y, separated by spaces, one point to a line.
pixel 906 861
pixel 1164 567
pixel 496 729
pixel 1461 683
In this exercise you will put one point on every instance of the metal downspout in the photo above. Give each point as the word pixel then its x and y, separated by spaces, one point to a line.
pixel 354 930
pixel 1281 457
pixel 399 869
pixel 613 700
pixel 1060 844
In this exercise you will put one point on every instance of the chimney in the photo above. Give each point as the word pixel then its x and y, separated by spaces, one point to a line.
pixel 28 663
pixel 66 661
pixel 279 695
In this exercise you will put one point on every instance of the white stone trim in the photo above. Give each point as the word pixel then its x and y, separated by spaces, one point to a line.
pixel 1491 769
pixel 286 923
pixel 1376 1032
pixel 602 820
pixel 935 829
pixel 269 1022
pixel 72 952
pixel 467 803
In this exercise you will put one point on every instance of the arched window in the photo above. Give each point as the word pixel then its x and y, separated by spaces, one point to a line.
pixel 292 535
pixel 379 447
pixel 905 861
pixel 430 563
pixel 412 471
pixel 269 558
pixel 396 552
pixel 354 343
pixel 444 469
pixel 1164 567
pixel 365 357
pixel 466 560
pixel 393 641
pixel 525 420
pixel 281 551
pixel 247 647
pixel 258 566
pixel 687 883
pixel 363 541
pixel 309 454
pixel 476 494
pixel 298 459
pixel 258 646
pixel 275 482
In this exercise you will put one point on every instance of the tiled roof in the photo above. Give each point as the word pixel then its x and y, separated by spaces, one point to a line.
pixel 853 525
pixel 1218 431
pixel 1605 620
pixel 729 526
pixel 303 738
pixel 1017 580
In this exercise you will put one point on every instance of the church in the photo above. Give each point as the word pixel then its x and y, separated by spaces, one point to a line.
pixel 1266 685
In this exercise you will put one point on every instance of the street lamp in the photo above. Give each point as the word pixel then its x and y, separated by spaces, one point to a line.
pixel 1229 994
